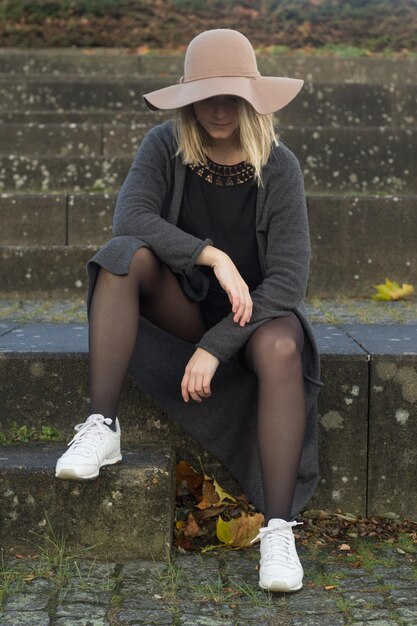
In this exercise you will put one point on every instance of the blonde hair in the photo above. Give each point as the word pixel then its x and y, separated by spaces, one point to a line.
pixel 257 136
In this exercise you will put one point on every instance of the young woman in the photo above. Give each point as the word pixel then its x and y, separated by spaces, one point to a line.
pixel 209 261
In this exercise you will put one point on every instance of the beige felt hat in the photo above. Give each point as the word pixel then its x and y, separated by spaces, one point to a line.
pixel 222 62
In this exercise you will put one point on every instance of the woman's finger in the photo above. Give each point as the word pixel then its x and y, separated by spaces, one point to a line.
pixel 206 386
pixel 184 388
pixel 199 385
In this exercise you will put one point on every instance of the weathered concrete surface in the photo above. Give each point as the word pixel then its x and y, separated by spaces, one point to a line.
pixel 44 270
pixel 126 513
pixel 122 61
pixel 50 363
pixel 392 416
pixel 53 139
pixel 90 218
pixel 56 61
pixel 346 246
pixel 334 160
pixel 72 173
pixel 343 418
pixel 33 219
pixel 82 117
pixel 317 104
pixel 368 160
pixel 348 234
pixel 78 94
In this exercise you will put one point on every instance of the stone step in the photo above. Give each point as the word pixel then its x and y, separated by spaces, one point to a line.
pixel 125 514
pixel 317 104
pixel 83 117
pixel 46 240
pixel 367 407
pixel 373 148
pixel 107 62
pixel 366 160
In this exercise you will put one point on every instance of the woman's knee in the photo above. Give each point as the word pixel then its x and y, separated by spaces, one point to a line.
pixel 274 346
pixel 146 268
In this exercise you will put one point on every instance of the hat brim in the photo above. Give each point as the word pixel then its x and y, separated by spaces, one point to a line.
pixel 267 94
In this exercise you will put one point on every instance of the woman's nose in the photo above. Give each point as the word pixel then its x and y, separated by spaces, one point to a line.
pixel 220 109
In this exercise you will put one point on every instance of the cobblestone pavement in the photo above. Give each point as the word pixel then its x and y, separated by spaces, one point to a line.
pixel 343 311
pixel 210 590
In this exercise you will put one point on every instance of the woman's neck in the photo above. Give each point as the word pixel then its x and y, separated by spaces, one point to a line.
pixel 225 153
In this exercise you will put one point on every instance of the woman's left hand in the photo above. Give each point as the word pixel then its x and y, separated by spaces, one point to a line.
pixel 198 374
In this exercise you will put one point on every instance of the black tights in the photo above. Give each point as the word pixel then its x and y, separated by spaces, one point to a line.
pixel 273 352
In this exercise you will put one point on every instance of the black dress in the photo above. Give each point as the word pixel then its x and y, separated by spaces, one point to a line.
pixel 219 202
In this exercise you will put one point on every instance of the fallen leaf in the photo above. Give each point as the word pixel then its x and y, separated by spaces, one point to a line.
pixel 188 476
pixel 391 290
pixel 329 587
pixel 239 532
pixel 345 547
pixel 210 496
pixel 30 577
pixel 191 528
pixel 223 495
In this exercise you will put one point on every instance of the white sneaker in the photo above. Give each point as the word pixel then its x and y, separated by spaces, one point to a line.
pixel 280 568
pixel 94 445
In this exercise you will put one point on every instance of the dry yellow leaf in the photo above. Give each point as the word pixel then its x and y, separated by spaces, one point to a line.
pixel 391 290
pixel 240 531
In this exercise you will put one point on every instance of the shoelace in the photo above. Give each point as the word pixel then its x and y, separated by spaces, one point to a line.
pixel 280 539
pixel 89 433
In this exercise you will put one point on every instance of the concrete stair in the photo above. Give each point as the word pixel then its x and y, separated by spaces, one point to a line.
pixel 70 123
pixel 125 514
pixel 46 239
pixel 369 401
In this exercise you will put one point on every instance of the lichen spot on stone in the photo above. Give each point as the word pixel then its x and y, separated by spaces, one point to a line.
pixel 332 420
pixel 37 369
pixel 386 370
pixel 355 390
pixel 348 401
pixel 335 494
pixel 401 415
pixel 378 388
pixel 407 377
pixel 345 479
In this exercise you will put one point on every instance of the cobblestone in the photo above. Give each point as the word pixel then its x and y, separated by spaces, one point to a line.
pixel 218 589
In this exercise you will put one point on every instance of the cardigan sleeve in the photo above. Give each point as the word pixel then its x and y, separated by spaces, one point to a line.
pixel 287 260
pixel 140 200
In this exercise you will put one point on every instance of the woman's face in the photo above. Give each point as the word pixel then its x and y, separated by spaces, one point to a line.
pixel 218 116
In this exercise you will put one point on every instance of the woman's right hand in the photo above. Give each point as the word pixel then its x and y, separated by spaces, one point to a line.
pixel 231 281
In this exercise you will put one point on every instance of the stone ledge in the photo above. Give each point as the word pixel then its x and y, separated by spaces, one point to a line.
pixel 325 103
pixel 45 366
pixel 334 160
pixel 119 62
pixel 126 513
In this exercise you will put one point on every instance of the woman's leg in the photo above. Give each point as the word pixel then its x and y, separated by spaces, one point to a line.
pixel 150 288
pixel 273 352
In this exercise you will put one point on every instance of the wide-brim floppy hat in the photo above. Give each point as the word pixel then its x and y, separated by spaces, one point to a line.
pixel 222 62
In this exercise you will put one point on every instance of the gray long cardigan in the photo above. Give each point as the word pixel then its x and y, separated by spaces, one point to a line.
pixel 225 424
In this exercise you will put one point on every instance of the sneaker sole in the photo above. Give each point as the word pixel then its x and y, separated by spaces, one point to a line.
pixel 277 585
pixel 67 473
